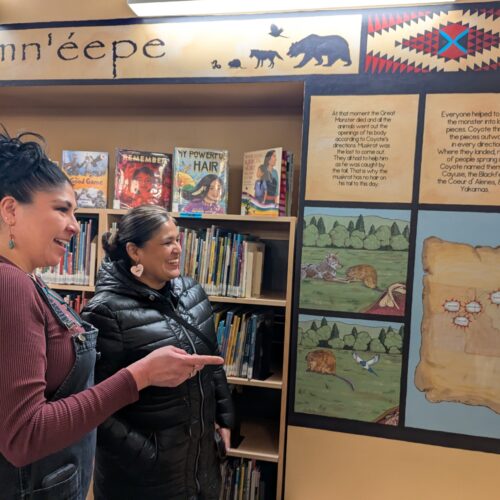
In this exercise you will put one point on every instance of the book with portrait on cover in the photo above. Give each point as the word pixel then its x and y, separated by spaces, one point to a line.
pixel 142 178
pixel 266 182
pixel 200 180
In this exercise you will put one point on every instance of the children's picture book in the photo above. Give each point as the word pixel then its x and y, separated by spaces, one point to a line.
pixel 261 184
pixel 200 180
pixel 88 171
pixel 142 178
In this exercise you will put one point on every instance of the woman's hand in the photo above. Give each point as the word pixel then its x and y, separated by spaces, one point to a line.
pixel 225 434
pixel 169 367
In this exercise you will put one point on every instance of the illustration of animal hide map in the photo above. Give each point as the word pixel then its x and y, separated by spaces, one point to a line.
pixel 460 350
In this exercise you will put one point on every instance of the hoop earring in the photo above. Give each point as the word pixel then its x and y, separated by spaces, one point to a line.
pixel 137 270
pixel 11 243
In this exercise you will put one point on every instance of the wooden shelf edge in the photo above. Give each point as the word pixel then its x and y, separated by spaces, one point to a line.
pixel 273 382
pixel 215 217
pixel 264 300
pixel 71 288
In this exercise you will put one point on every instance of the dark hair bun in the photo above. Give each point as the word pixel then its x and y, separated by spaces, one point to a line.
pixel 25 168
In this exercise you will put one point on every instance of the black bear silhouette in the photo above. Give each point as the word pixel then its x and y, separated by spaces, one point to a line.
pixel 334 47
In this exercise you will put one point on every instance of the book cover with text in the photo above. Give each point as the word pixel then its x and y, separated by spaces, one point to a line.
pixel 261 182
pixel 88 171
pixel 142 178
pixel 200 180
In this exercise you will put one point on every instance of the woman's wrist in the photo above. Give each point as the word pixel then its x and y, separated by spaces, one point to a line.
pixel 140 374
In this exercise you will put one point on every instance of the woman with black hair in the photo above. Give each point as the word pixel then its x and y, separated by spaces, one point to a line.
pixel 163 446
pixel 205 196
pixel 48 407
pixel 270 178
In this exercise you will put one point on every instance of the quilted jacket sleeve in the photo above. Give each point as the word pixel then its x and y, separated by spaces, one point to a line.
pixel 224 402
pixel 119 438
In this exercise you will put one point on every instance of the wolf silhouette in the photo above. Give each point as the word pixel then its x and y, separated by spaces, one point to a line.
pixel 262 55
pixel 334 47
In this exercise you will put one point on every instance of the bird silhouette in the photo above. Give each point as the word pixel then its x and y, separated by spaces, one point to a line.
pixel 367 365
pixel 275 31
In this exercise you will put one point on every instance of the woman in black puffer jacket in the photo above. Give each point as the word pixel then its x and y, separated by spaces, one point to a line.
pixel 163 446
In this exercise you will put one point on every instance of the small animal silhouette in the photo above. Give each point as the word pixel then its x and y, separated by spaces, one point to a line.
pixel 362 272
pixel 334 47
pixel 262 55
pixel 275 31
pixel 235 63
pixel 323 361
pixel 215 64
pixel 325 270
pixel 367 365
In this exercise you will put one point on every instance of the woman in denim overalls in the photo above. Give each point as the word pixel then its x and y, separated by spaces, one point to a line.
pixel 48 409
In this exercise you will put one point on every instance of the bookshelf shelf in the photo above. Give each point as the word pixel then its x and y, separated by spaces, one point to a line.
pixel 267 299
pixel 275 381
pixel 72 288
pixel 260 441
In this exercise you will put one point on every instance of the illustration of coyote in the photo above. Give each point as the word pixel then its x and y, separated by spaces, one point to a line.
pixel 262 55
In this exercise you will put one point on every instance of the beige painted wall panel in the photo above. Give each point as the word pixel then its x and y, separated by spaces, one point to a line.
pixel 322 45
pixel 461 150
pixel 322 465
pixel 361 148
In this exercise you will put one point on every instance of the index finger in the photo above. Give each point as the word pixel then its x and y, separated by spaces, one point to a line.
pixel 201 359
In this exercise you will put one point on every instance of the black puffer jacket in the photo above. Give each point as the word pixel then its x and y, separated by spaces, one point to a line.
pixel 162 446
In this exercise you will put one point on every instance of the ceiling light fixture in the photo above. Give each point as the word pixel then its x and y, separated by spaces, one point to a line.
pixel 148 8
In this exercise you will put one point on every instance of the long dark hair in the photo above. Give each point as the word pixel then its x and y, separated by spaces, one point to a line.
pixel 200 190
pixel 137 226
pixel 25 168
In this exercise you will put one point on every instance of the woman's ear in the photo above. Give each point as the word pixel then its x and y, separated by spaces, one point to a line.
pixel 8 205
pixel 132 251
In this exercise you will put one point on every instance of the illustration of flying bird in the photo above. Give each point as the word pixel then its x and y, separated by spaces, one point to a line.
pixel 275 31
pixel 367 365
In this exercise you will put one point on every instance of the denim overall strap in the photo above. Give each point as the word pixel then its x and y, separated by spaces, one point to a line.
pixel 64 475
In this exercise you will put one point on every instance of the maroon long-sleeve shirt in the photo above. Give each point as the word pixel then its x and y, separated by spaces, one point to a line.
pixel 36 354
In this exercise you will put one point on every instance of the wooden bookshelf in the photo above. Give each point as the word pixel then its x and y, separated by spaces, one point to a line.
pixel 260 441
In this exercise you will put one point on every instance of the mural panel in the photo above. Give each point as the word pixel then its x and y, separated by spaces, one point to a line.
pixel 426 40
pixel 461 150
pixel 454 365
pixel 349 368
pixel 354 260
pixel 356 151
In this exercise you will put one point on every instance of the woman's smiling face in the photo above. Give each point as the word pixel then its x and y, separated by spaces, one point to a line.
pixel 42 228
pixel 160 256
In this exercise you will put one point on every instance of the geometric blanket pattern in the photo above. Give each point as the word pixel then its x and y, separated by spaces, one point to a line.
pixel 426 41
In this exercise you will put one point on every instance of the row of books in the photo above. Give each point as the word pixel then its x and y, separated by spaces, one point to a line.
pixel 77 301
pixel 241 480
pixel 244 339
pixel 77 266
pixel 223 262
pixel 192 180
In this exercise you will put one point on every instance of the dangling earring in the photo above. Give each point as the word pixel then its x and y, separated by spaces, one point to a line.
pixel 137 270
pixel 11 239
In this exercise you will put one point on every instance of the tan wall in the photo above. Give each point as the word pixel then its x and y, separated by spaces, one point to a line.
pixel 322 465
pixel 99 130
